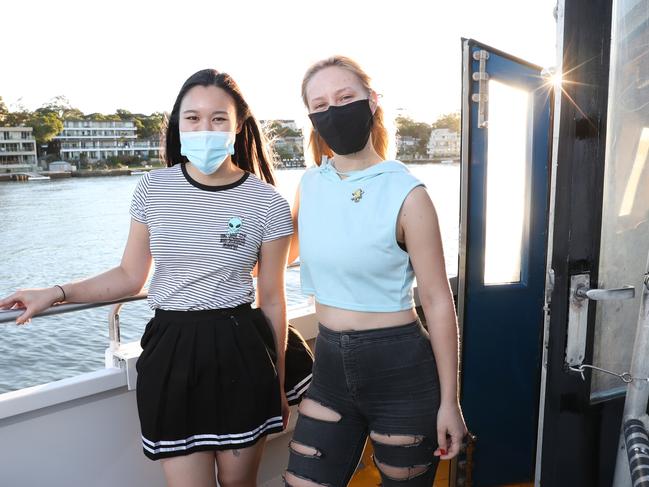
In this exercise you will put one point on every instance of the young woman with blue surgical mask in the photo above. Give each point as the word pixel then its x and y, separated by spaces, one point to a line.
pixel 211 381
pixel 367 228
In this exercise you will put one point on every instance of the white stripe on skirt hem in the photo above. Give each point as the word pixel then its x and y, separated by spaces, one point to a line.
pixel 299 388
pixel 209 439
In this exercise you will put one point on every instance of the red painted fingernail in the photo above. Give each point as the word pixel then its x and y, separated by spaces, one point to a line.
pixel 442 451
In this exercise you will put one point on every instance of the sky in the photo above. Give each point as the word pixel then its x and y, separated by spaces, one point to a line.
pixel 135 54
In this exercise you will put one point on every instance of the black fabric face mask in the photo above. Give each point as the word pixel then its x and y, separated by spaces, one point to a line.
pixel 345 128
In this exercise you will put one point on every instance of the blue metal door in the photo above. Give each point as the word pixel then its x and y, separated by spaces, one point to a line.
pixel 505 159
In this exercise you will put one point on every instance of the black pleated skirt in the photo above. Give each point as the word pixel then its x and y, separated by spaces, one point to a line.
pixel 207 381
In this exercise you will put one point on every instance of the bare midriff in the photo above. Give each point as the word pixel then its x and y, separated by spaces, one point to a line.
pixel 338 319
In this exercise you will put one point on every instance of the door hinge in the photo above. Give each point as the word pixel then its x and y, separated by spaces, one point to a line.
pixel 482 77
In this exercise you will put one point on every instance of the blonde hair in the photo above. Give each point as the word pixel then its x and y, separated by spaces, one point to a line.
pixel 380 139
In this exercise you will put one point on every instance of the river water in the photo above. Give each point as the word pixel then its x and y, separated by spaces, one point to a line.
pixel 61 230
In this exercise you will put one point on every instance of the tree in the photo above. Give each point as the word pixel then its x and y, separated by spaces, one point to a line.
pixel 4 111
pixel 18 118
pixel 283 152
pixel 275 129
pixel 137 122
pixel 147 125
pixel 419 131
pixel 63 108
pixel 123 114
pixel 45 125
pixel 150 126
pixel 74 115
pixel 449 121
pixel 407 127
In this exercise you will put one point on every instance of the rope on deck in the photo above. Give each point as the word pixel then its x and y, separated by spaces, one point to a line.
pixel 637 448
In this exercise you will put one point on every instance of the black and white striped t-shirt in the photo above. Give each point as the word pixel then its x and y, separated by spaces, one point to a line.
pixel 205 240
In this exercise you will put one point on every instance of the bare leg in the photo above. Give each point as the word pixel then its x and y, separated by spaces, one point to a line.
pixel 194 470
pixel 238 468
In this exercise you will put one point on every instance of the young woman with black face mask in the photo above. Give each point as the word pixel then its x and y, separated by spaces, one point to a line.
pixel 367 227
pixel 211 382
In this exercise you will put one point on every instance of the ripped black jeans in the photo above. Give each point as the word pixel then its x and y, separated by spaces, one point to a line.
pixel 382 382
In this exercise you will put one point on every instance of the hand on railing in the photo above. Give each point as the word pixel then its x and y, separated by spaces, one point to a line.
pixel 11 312
pixel 33 301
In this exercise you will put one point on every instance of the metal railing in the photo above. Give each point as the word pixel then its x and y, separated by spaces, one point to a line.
pixel 9 316
pixel 116 355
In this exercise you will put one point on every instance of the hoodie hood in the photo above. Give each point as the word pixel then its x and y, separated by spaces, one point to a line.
pixel 390 166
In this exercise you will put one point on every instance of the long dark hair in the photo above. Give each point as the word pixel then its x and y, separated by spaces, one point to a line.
pixel 250 146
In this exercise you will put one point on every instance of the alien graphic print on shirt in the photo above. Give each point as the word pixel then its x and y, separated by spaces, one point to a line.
pixel 235 236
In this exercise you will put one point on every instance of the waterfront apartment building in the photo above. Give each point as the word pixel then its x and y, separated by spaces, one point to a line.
pixel 17 149
pixel 406 145
pixel 443 143
pixel 287 141
pixel 95 141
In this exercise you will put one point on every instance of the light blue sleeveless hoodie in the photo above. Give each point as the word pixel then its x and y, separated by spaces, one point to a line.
pixel 349 255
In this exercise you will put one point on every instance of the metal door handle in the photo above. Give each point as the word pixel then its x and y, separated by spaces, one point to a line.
pixel 620 293
pixel 580 296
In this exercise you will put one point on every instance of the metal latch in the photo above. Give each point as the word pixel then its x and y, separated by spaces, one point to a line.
pixel 580 294
pixel 482 77
pixel 620 293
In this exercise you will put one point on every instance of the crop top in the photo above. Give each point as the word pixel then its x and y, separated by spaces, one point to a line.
pixel 349 255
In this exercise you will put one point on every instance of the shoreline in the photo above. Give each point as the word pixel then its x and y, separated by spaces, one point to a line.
pixel 93 173
pixel 85 173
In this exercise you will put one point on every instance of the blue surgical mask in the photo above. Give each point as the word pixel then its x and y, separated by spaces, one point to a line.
pixel 207 150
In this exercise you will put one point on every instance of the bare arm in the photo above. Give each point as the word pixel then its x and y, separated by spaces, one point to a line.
pixel 418 222
pixel 126 279
pixel 271 298
pixel 294 250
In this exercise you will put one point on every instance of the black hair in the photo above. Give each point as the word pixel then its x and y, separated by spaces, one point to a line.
pixel 250 146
